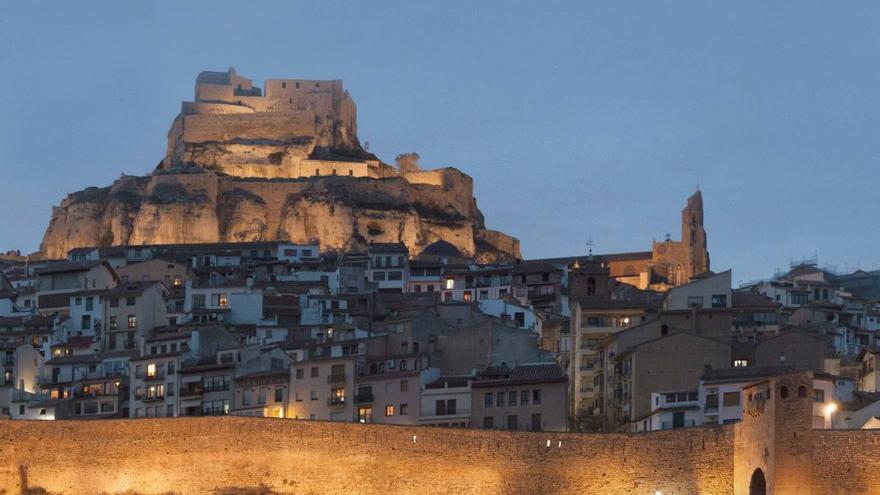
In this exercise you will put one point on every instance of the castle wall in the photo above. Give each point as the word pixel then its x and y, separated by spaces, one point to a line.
pixel 846 462
pixel 267 126
pixel 201 455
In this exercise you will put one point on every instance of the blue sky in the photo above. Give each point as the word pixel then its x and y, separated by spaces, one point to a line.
pixel 576 119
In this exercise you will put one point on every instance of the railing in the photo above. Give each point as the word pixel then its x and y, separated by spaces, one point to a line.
pixel 215 388
pixel 363 397
pixel 449 413
pixel 191 391
pixel 336 401
pixel 22 396
pixel 154 398
pixel 147 377
pixel 336 378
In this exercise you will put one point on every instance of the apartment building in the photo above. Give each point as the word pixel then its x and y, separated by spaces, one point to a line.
pixel 530 397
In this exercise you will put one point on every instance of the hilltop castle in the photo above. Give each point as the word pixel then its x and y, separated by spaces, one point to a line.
pixel 298 128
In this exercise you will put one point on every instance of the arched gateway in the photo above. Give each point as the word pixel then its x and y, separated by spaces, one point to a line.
pixel 758 485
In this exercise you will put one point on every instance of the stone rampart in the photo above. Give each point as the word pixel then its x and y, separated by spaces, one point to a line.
pixel 205 455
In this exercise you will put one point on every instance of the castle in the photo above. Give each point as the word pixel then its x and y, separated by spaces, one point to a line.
pixel 298 128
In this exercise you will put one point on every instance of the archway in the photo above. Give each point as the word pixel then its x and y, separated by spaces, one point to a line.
pixel 758 485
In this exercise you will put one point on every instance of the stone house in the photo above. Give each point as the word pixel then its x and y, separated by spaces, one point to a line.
pixel 525 397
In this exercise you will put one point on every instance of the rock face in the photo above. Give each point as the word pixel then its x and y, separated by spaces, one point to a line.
pixel 286 166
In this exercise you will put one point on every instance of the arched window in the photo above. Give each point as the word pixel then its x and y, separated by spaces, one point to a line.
pixel 802 391
pixel 783 392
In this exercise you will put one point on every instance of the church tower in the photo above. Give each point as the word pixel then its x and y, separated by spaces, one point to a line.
pixel 693 236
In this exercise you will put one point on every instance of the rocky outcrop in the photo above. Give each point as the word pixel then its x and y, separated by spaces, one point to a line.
pixel 285 165
pixel 341 213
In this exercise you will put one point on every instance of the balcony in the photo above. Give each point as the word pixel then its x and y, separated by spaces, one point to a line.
pixel 336 401
pixel 336 378
pixel 154 398
pixel 158 375
pixel 192 390
pixel 363 397
pixel 454 413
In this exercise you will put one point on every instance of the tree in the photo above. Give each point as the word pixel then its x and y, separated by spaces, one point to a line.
pixel 408 162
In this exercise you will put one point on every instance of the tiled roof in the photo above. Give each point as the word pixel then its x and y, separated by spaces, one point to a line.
pixel 519 374
pixel 69 266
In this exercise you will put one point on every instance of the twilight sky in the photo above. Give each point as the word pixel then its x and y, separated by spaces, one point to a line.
pixel 576 119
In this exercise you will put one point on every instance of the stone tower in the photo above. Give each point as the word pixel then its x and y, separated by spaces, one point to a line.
pixel 693 236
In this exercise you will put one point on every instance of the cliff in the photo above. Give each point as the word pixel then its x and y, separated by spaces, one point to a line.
pixel 242 165
pixel 341 213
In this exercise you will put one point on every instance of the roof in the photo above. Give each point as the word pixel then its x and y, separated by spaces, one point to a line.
pixel 75 359
pixel 745 373
pixel 77 341
pixel 387 247
pixel 519 375
pixel 753 300
pixel 645 299
pixel 70 266
pixel 442 248
pixel 213 77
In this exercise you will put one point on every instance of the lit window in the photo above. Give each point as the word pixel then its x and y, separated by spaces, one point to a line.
pixel 151 370
pixel 223 301
pixel 740 363
pixel 389 410
pixel 450 283
pixel 132 321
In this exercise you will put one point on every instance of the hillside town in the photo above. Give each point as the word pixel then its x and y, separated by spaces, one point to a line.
pixel 623 342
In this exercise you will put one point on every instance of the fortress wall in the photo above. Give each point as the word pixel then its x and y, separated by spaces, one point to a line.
pixel 453 182
pixel 846 462
pixel 280 126
pixel 201 455
pixel 197 107
pixel 500 241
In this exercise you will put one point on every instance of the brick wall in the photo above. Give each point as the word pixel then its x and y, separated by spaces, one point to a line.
pixel 201 455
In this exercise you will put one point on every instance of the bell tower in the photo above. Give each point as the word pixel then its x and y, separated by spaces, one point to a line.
pixel 693 236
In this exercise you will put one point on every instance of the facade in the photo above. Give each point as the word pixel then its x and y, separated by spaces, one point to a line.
pixel 527 397
pixel 446 402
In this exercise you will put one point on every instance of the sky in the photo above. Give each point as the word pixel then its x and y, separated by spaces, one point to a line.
pixel 577 120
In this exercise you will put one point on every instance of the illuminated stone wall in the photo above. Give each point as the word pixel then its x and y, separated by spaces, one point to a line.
pixel 203 455
pixel 233 455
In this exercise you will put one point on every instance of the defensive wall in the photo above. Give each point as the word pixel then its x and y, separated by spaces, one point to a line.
pixel 771 451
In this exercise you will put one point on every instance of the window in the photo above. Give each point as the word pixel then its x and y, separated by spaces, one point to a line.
pixel 114 323
pixel 719 300
pixel 695 301
pixel 129 301
pixel 740 363
pixel 536 396
pixel 450 283
pixel 730 399
pixel 440 407
pixel 314 372
pixel 395 275
pixel 404 385
pixel 487 400
pixel 389 410
pixel 170 366
pixel 198 301
pixel 818 395
pixel 90 303
pixel 511 398
pixel 712 402
pixel 170 388
pixel 365 415
pixel 488 422
pixel 86 322
pixel 378 276
pixel 151 370
pixel 300 372
pixel 404 409
pixel 314 395
pixel 512 422
pixel 261 398
pixel 524 398
pixel 500 399
pixel 132 321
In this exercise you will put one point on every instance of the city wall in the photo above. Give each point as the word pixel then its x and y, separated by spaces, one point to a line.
pixel 210 455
